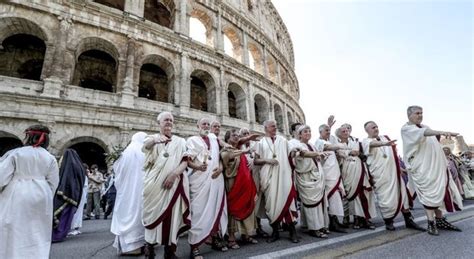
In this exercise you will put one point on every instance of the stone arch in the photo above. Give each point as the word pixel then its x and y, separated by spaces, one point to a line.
pixel 96 64
pixel 8 142
pixel 203 91
pixel 200 17
pixel 91 150
pixel 22 49
pixel 234 38
pixel 261 108
pixel 279 117
pixel 156 79
pixel 272 69
pixel 117 4
pixel 162 12
pixel 237 101
pixel 255 57
pixel 16 25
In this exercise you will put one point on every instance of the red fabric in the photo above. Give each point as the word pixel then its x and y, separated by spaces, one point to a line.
pixel 241 198
pixel 37 132
pixel 206 140
pixel 399 176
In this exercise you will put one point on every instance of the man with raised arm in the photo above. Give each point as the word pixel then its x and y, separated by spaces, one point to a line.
pixel 428 170
pixel 276 182
pixel 386 177
pixel 165 188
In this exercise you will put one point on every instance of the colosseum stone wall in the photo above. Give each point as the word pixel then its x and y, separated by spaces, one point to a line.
pixel 96 72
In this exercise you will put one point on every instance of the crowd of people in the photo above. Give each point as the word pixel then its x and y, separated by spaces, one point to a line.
pixel 220 188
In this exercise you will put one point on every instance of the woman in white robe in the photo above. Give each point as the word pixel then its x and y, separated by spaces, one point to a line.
pixel 28 179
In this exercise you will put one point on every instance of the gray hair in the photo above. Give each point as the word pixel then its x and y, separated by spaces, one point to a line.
pixel 367 123
pixel 338 131
pixel 162 115
pixel 346 125
pixel 301 128
pixel 322 127
pixel 412 109
pixel 200 120
pixel 268 122
pixel 214 122
pixel 242 130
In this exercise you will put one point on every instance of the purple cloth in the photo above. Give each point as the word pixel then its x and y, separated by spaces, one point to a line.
pixel 61 230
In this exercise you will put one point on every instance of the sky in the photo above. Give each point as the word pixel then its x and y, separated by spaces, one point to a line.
pixel 369 60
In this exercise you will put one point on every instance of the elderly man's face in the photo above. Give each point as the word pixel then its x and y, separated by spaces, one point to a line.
pixel 245 133
pixel 234 138
pixel 372 130
pixel 216 128
pixel 203 127
pixel 271 129
pixel 325 133
pixel 447 151
pixel 344 133
pixel 416 117
pixel 166 123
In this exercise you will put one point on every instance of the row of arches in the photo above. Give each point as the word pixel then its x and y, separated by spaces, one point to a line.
pixel 22 55
pixel 91 150
pixel 202 24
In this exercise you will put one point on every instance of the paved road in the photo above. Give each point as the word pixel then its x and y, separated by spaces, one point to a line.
pixel 447 244
pixel 96 242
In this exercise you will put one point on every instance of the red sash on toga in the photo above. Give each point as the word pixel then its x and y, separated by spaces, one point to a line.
pixel 241 198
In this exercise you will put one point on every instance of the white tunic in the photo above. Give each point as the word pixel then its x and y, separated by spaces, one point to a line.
pixel 332 176
pixel 356 183
pixel 389 187
pixel 427 169
pixel 310 183
pixel 275 180
pixel 208 202
pixel 165 211
pixel 29 177
pixel 127 220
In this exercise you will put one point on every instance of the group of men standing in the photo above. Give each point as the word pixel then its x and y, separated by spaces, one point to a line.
pixel 214 188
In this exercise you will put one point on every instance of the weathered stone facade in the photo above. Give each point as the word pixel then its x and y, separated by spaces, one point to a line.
pixel 100 71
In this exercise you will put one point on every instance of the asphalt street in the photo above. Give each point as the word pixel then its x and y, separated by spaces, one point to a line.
pixel 96 242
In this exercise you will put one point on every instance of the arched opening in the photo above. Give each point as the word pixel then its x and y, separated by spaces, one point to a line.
pixel 236 102
pixel 117 4
pixel 160 12
pixel 153 83
pixel 200 27
pixel 255 58
pixel 91 153
pixel 290 119
pixel 232 44
pixel 279 118
pixel 8 142
pixel 22 56
pixel 96 69
pixel 232 104
pixel 261 109
pixel 272 70
pixel 202 91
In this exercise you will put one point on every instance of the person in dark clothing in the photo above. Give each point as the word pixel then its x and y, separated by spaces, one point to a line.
pixel 68 194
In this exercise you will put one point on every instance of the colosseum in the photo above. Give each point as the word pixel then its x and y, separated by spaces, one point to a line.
pixel 96 72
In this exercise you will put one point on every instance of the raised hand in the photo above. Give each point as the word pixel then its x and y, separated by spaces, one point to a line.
pixel 331 121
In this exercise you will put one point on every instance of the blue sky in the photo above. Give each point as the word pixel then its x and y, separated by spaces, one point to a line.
pixel 369 60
